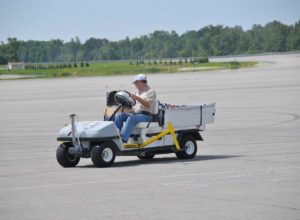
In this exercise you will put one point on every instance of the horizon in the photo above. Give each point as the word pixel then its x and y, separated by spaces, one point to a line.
pixel 130 38
pixel 43 20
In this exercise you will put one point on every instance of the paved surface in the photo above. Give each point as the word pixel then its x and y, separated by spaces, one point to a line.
pixel 247 167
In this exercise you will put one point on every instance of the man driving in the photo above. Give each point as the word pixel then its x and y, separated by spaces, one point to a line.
pixel 143 109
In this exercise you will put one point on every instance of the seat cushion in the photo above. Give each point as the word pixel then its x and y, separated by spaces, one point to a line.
pixel 145 125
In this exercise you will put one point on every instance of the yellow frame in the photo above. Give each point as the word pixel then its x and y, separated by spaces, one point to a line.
pixel 169 130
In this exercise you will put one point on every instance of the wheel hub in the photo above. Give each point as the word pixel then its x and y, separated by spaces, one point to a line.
pixel 189 147
pixel 107 154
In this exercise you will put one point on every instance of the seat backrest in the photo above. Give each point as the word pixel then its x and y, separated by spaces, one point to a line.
pixel 159 114
pixel 161 117
pixel 156 107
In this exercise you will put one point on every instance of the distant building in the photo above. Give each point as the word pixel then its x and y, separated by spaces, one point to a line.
pixel 18 65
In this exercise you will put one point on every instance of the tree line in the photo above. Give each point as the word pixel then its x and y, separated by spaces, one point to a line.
pixel 208 41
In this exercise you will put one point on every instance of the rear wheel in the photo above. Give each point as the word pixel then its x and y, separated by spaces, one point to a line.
pixel 64 158
pixel 188 147
pixel 146 156
pixel 103 155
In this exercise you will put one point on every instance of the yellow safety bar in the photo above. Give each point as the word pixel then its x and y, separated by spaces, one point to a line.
pixel 169 130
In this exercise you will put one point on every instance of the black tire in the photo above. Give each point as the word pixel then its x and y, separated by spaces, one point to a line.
pixel 64 158
pixel 146 156
pixel 103 155
pixel 188 147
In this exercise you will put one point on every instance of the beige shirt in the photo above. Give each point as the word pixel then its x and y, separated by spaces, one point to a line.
pixel 149 95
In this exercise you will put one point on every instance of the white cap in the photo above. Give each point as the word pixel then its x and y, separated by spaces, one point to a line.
pixel 139 77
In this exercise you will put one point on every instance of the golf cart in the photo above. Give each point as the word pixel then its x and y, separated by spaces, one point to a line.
pixel 174 129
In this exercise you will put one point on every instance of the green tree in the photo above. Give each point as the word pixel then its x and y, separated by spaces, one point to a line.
pixel 276 35
pixel 293 41
pixel 13 48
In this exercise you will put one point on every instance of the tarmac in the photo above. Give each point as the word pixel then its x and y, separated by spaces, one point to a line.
pixel 247 167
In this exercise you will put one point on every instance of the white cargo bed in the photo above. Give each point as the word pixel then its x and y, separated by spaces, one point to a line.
pixel 191 116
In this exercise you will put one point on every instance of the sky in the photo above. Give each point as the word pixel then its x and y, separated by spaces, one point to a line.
pixel 117 19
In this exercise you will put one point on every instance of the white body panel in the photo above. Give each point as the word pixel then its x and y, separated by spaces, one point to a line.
pixel 191 116
pixel 182 118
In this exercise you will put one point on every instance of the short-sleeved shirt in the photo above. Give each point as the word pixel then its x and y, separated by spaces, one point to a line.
pixel 149 95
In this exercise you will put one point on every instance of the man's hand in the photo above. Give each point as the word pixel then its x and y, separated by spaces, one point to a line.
pixel 142 101
pixel 134 97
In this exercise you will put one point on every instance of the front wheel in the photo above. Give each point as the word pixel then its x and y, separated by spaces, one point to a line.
pixel 64 158
pixel 188 147
pixel 103 155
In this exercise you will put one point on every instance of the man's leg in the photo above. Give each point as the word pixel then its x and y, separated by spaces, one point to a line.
pixel 132 120
pixel 120 118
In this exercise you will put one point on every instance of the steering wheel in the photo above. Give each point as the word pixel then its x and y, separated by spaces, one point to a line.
pixel 123 98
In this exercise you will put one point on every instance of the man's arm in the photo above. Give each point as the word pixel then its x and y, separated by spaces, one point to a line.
pixel 144 102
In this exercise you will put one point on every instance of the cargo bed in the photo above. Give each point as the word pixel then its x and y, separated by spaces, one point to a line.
pixel 191 116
